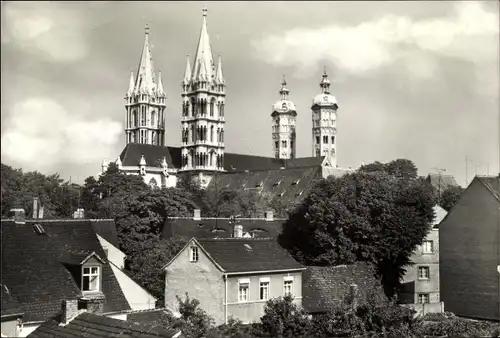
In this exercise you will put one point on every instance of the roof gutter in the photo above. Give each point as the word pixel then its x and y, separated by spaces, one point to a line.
pixel 264 271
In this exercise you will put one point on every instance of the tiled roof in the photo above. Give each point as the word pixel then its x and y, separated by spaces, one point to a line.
pixel 220 227
pixel 492 183
pixel 290 185
pixel 247 254
pixel 32 266
pixel 10 306
pixel 325 286
pixel 92 325
pixel 154 155
pixel 441 180
pixel 150 317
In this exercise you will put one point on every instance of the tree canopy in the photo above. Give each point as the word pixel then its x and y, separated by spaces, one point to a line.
pixel 450 196
pixel 376 215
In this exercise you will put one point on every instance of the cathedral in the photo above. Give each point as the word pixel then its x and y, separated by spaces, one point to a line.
pixel 201 154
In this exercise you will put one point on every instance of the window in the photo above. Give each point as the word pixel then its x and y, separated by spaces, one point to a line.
pixel 90 278
pixel 333 139
pixel 423 272
pixel 428 247
pixel 276 144
pixel 288 285
pixel 243 288
pixel 194 254
pixel 264 289
pixel 325 139
pixel 423 298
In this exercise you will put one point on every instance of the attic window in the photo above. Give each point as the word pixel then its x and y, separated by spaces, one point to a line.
pixel 277 183
pixel 247 247
pixel 300 193
pixel 296 182
pixel 39 229
pixel 259 184
pixel 90 279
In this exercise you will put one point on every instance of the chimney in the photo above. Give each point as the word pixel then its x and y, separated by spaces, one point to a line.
pixel 18 215
pixel 40 212
pixel 69 310
pixel 35 207
pixel 238 231
pixel 269 215
pixel 197 214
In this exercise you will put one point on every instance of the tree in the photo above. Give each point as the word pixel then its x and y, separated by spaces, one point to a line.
pixel 400 168
pixel 450 196
pixel 283 318
pixel 194 321
pixel 362 216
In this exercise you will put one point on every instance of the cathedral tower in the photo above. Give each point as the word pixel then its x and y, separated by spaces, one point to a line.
pixel 283 123
pixel 202 120
pixel 324 122
pixel 145 103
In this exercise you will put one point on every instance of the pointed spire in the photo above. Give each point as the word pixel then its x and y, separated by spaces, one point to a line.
pixel 202 72
pixel 160 85
pixel 219 78
pixel 325 83
pixel 131 84
pixel 204 52
pixel 146 81
pixel 187 72
pixel 284 91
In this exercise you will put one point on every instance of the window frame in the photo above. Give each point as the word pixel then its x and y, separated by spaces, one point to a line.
pixel 194 254
pixel 424 251
pixel 288 279
pixel 89 275
pixel 244 284
pixel 264 285
pixel 427 298
pixel 428 273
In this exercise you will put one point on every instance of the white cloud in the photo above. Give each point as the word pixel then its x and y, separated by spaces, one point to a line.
pixel 54 32
pixel 40 133
pixel 470 33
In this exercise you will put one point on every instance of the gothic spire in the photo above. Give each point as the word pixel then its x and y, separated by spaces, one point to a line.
pixel 219 77
pixel 187 72
pixel 204 53
pixel 160 85
pixel 145 81
pixel 131 84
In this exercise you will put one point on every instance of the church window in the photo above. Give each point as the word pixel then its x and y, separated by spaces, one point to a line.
pixel 192 134
pixel 317 152
pixel 276 144
pixel 211 159
pixel 153 118
pixel 154 138
pixel 325 139
pixel 333 139
pixel 283 143
pixel 211 133
pixel 221 109
pixel 317 140
pixel 193 107
pixel 212 107
pixel 222 135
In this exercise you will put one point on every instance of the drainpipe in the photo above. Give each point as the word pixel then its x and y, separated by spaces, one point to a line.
pixel 225 298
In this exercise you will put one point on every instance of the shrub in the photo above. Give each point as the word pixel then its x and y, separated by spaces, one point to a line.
pixel 459 327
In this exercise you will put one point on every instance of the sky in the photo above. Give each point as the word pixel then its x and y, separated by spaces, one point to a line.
pixel 416 80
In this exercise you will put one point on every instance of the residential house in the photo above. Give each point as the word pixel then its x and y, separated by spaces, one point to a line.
pixel 232 276
pixel 420 285
pixel 47 261
pixel 325 287
pixel 441 182
pixel 469 240
pixel 12 314
pixel 73 322
pixel 206 227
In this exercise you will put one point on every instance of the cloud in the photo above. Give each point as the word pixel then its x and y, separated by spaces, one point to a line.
pixel 40 133
pixel 471 33
pixel 48 29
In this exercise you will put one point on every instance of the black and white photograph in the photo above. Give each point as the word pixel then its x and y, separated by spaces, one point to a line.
pixel 250 169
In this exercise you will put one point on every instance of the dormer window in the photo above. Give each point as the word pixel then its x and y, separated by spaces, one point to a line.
pixel 194 254
pixel 91 278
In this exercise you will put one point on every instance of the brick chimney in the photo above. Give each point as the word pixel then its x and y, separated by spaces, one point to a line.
pixel 35 207
pixel 238 231
pixel 18 215
pixel 269 215
pixel 93 304
pixel 69 310
pixel 197 214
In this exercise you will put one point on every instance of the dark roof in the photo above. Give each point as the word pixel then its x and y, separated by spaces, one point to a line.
pixel 248 254
pixel 492 183
pixel 92 325
pixel 443 181
pixel 150 317
pixel 35 269
pixel 10 306
pixel 219 227
pixel 154 155
pixel 290 185
pixel 325 286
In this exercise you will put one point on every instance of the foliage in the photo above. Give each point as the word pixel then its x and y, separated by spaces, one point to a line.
pixel 400 168
pixel 147 262
pixel 194 322
pixel 450 196
pixel 368 215
pixel 459 327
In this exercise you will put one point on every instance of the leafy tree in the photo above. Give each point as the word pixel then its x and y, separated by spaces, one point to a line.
pixel 146 265
pixel 362 216
pixel 450 196
pixel 283 318
pixel 400 168
pixel 90 198
pixel 194 321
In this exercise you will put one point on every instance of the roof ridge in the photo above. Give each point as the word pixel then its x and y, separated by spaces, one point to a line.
pixel 496 194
